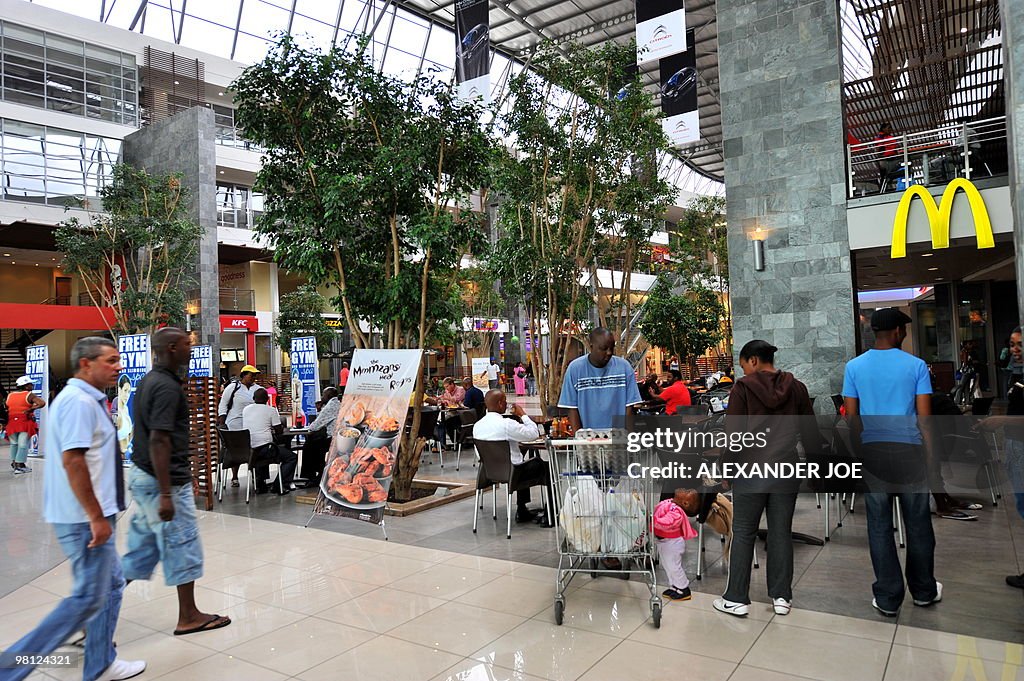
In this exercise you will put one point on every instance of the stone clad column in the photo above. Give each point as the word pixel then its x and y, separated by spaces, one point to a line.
pixel 185 143
pixel 1012 18
pixel 785 173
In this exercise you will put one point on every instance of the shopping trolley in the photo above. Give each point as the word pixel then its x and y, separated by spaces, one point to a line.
pixel 602 512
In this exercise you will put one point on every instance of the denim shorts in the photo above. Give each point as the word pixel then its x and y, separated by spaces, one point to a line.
pixel 175 544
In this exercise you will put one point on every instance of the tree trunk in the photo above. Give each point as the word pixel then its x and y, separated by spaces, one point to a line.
pixel 410 447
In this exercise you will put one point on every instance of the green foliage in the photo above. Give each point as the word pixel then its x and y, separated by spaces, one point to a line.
pixel 579 190
pixel 301 315
pixel 367 181
pixel 143 232
pixel 699 246
pixel 687 325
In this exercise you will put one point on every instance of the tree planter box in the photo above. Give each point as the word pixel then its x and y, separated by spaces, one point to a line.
pixel 461 489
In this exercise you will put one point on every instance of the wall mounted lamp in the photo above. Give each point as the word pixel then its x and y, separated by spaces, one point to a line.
pixel 757 238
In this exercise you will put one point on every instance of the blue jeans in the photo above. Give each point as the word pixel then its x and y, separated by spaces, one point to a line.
pixel 1015 470
pixel 920 571
pixel 20 444
pixel 150 540
pixel 95 603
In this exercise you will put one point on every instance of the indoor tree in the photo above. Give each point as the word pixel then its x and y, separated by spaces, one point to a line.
pixel 578 192
pixel 301 314
pixel 686 323
pixel 368 180
pixel 137 255
pixel 699 251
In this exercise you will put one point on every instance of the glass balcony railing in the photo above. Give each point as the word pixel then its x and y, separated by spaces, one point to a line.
pixel 887 164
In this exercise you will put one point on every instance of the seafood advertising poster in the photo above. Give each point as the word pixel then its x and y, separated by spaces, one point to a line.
pixel 136 361
pixel 305 379
pixel 361 462
pixel 37 367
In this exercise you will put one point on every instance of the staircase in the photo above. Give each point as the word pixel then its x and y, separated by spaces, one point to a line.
pixel 12 354
pixel 12 365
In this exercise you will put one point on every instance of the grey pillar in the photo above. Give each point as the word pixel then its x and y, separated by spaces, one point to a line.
pixel 785 173
pixel 1012 16
pixel 184 143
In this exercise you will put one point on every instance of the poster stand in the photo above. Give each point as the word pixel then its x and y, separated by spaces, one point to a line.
pixel 383 528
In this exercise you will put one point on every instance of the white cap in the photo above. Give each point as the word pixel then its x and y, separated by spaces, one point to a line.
pixel 24 380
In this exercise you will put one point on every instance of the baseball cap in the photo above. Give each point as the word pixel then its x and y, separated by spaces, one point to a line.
pixel 888 318
pixel 248 368
pixel 24 380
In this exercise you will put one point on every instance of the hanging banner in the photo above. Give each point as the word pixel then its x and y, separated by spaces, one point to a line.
pixel 480 366
pixel 305 380
pixel 37 367
pixel 681 121
pixel 472 49
pixel 201 362
pixel 361 461
pixel 136 361
pixel 660 29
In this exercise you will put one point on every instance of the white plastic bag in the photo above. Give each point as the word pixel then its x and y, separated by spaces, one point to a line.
pixel 626 521
pixel 581 515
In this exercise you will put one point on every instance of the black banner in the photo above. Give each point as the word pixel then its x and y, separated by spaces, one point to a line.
pixel 679 81
pixel 472 40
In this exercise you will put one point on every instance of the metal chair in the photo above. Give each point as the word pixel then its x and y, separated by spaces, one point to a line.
pixel 496 469
pixel 235 450
pixel 428 422
pixel 263 458
pixel 468 420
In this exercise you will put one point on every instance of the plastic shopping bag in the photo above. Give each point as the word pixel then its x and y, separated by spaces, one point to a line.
pixel 626 522
pixel 581 515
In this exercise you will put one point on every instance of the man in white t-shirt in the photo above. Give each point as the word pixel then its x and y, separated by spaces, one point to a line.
pixel 237 396
pixel 494 426
pixel 492 375
pixel 264 422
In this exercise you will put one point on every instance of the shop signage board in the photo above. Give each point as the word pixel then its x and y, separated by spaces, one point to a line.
pixel 200 364
pixel 37 367
pixel 136 361
pixel 939 216
pixel 241 323
pixel 660 29
pixel 679 80
pixel 305 379
pixel 480 366
pixel 473 49
pixel 363 456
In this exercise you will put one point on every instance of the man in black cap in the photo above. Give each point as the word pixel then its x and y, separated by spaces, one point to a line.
pixel 885 392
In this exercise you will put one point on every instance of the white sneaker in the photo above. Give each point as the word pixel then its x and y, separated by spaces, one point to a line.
pixel 938 596
pixel 122 669
pixel 781 606
pixel 887 613
pixel 730 608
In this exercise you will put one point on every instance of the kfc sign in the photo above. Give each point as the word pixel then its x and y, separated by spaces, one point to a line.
pixel 239 323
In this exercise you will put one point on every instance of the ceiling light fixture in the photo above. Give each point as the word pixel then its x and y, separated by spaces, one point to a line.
pixel 933 269
pixel 927 255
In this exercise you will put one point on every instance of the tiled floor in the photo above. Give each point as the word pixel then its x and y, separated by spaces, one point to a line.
pixel 334 601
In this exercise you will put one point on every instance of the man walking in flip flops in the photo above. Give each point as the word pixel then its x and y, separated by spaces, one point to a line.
pixel 163 528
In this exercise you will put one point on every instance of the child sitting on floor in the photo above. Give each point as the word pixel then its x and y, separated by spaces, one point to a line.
pixel 672 528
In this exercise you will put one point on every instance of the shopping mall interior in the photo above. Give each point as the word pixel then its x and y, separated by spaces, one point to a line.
pixel 814 162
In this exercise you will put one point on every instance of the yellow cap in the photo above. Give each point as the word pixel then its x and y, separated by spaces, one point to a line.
pixel 248 368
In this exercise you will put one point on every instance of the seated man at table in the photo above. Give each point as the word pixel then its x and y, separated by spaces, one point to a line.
pixel 321 432
pixel 451 397
pixel 494 426
pixel 674 392
pixel 264 422
pixel 474 398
